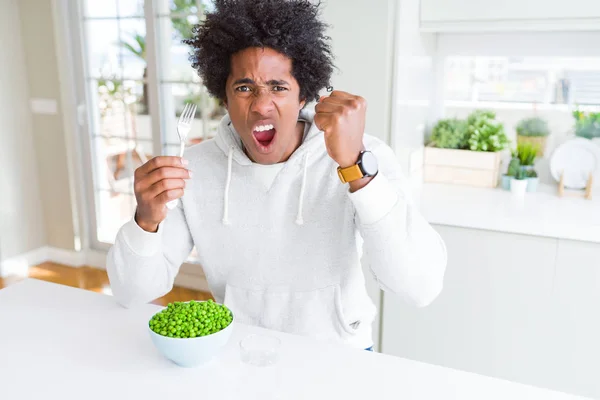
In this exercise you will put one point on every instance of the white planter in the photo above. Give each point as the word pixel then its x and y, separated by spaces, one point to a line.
pixel 461 167
pixel 518 187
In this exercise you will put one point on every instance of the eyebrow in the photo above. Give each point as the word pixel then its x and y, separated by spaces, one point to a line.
pixel 272 82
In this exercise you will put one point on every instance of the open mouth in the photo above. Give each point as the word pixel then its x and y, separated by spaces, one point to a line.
pixel 264 134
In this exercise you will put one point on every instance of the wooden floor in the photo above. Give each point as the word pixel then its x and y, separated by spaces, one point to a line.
pixel 95 280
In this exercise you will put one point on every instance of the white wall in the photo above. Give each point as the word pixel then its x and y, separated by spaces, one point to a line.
pixel 40 51
pixel 21 220
pixel 413 91
pixel 362 37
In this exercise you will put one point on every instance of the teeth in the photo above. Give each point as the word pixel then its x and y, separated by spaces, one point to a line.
pixel 261 128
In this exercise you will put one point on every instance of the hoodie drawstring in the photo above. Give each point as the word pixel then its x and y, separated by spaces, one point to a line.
pixel 227 184
pixel 299 219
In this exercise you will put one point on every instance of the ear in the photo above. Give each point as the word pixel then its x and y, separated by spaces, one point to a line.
pixel 302 103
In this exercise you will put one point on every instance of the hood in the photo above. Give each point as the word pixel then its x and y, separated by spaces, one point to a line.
pixel 228 140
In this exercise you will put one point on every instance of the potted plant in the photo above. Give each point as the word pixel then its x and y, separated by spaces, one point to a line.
pixel 513 166
pixel 587 125
pixel 534 131
pixel 532 180
pixel 527 154
pixel 466 151
pixel 518 184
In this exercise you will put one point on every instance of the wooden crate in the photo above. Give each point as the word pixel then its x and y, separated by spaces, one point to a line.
pixel 461 167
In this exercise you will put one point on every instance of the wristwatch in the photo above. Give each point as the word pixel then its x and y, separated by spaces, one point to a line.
pixel 365 166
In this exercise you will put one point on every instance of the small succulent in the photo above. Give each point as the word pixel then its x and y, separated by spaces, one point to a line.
pixel 533 127
pixel 513 167
pixel 521 174
pixel 531 173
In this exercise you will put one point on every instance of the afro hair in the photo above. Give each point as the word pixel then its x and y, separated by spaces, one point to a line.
pixel 290 27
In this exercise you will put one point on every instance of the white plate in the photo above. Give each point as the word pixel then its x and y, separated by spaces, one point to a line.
pixel 576 158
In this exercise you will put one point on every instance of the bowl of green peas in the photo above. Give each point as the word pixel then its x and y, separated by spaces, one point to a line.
pixel 191 333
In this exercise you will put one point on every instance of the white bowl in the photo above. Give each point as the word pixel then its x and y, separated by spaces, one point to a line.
pixel 192 352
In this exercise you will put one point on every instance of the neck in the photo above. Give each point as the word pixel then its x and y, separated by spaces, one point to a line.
pixel 299 138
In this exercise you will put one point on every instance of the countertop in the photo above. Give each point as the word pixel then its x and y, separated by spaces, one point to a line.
pixel 59 342
pixel 540 213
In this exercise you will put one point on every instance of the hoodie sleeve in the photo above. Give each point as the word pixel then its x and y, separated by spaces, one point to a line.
pixel 406 255
pixel 141 265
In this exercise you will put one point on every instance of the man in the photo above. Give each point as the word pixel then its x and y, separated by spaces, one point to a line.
pixel 281 204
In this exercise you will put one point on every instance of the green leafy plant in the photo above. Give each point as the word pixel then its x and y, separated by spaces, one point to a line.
pixel 587 125
pixel 449 134
pixel 484 133
pixel 533 127
pixel 527 152
pixel 480 132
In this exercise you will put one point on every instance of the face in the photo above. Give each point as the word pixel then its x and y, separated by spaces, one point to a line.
pixel 263 101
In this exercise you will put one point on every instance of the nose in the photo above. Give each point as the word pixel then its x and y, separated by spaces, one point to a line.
pixel 262 102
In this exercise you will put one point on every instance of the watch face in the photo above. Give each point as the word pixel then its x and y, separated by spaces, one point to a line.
pixel 368 164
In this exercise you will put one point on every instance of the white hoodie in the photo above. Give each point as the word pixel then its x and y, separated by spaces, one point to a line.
pixel 281 245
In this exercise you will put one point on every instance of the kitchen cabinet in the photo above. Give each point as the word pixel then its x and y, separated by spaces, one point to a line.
pixel 509 15
pixel 517 307
pixel 574 330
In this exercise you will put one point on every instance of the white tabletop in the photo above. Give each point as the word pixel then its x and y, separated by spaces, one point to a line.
pixel 58 342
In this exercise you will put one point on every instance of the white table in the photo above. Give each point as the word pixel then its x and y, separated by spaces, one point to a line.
pixel 58 342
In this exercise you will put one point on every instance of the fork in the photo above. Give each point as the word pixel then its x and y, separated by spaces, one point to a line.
pixel 184 125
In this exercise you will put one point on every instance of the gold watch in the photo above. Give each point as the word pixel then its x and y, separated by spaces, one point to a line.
pixel 365 166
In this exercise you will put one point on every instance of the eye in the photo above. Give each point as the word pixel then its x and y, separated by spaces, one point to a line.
pixel 279 88
pixel 242 89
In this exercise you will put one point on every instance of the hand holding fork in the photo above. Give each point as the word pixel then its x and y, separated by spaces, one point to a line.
pixel 161 180
pixel 184 125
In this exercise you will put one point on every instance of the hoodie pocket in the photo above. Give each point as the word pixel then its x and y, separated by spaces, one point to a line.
pixel 315 313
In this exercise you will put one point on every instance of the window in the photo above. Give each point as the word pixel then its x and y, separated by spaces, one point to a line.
pixel 137 79
pixel 520 75
pixel 541 80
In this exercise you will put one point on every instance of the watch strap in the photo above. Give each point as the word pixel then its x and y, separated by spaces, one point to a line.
pixel 350 174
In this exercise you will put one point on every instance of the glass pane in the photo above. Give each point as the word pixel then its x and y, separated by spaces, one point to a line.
pixel 113 210
pixel 100 9
pixel 130 8
pixel 190 6
pixel 133 48
pixel 113 8
pixel 116 162
pixel 174 61
pixel 550 80
pixel 208 114
pixel 122 109
pixel 184 6
pixel 116 48
pixel 102 45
